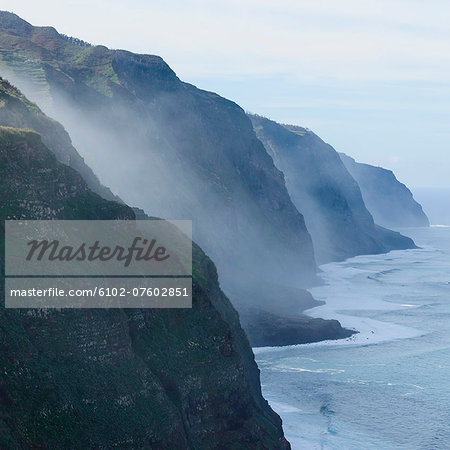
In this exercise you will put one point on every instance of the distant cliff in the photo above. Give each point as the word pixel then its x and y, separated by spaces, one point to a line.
pixel 390 202
pixel 93 378
pixel 327 195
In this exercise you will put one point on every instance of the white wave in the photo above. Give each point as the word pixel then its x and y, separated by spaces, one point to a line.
pixel 369 294
pixel 367 284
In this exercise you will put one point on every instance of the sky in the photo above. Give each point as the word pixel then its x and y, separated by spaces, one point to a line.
pixel 370 77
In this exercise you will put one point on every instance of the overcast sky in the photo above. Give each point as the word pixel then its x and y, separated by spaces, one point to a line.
pixel 371 77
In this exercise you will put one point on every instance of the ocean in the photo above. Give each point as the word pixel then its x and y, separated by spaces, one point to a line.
pixel 387 387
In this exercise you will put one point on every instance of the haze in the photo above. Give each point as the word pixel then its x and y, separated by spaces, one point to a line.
pixel 371 78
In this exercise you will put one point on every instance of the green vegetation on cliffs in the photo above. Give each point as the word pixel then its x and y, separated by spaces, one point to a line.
pixel 35 185
pixel 119 378
pixel 17 111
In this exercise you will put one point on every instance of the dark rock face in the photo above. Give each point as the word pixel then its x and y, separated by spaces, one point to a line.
pixel 168 148
pixel 119 378
pixel 325 193
pixel 279 318
pixel 266 329
pixel 390 202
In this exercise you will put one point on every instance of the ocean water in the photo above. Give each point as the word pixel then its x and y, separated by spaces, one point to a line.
pixel 387 387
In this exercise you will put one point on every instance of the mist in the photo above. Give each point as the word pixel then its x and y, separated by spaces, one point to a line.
pixel 181 153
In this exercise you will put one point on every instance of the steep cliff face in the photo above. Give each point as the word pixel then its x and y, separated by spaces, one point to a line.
pixel 326 194
pixel 390 202
pixel 169 148
pixel 119 378
pixel 17 111
pixel 34 185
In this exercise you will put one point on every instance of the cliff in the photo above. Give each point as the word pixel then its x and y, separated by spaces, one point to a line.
pixel 177 151
pixel 168 148
pixel 390 202
pixel 327 195
pixel 17 111
pixel 119 378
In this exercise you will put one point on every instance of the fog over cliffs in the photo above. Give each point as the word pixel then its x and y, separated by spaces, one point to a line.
pixel 169 148
pixel 176 151
pixel 268 203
